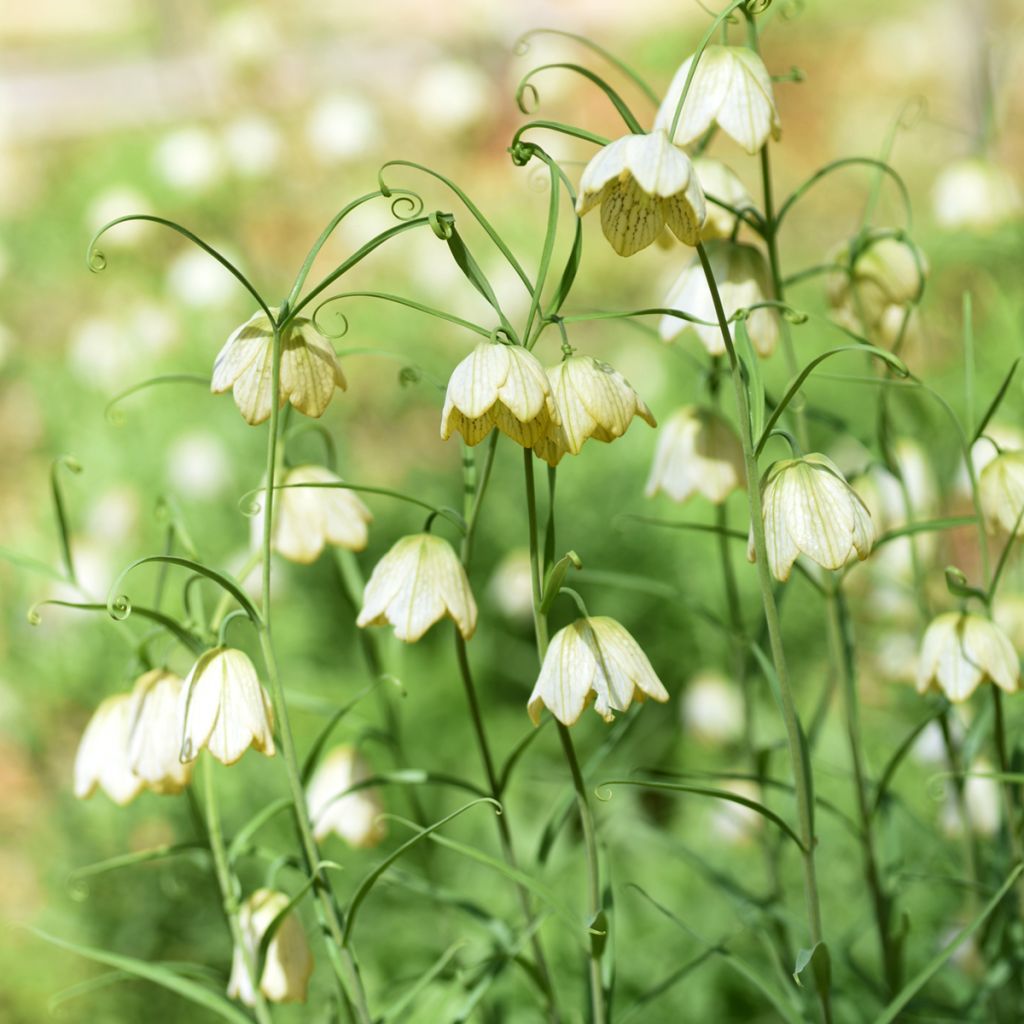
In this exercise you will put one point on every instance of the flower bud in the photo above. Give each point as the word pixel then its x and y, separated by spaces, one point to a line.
pixel 354 817
pixel 960 651
pixel 102 759
pixel 155 740
pixel 417 583
pixel 975 195
pixel 1001 491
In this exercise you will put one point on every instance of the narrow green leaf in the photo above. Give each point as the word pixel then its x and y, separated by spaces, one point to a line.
pixel 408 998
pixel 126 860
pixel 897 758
pixel 820 963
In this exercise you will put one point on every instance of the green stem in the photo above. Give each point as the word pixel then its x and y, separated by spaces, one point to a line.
pixel 794 732
pixel 1008 787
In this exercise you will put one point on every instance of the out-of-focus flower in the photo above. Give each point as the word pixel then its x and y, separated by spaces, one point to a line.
pixel 741 275
pixel 1001 491
pixel 114 515
pixel 698 452
pixel 198 465
pixel 417 583
pixel 983 803
pixel 102 759
pixel 593 400
pixel 308 518
pixel 450 97
pixel 501 386
pixel 511 586
pixel 341 128
pixel 245 36
pixel 1008 615
pixel 960 651
pixel 253 145
pixel 643 183
pixel 155 742
pixel 309 368
pixel 224 708
pixel 595 659
pixel 189 159
pixel 976 195
pixel 118 201
pixel 809 509
pixel 289 963
pixel 198 281
pixel 724 184
pixel 712 708
pixel 731 88
pixel 732 821
pixel 355 817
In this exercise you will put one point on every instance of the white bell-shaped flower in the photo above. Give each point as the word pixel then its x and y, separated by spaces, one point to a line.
pixel 742 278
pixel 307 518
pixel 809 509
pixel 289 962
pixel 155 740
pixel 595 659
pixel 731 88
pixel 722 183
pixel 643 183
pixel 1001 490
pixel 309 368
pixel 975 195
pixel 501 386
pixel 224 708
pixel 595 401
pixel 417 583
pixel 712 709
pixel 102 759
pixel 960 651
pixel 698 452
pixel 356 816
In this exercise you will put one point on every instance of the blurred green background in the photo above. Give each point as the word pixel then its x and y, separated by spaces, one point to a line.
pixel 251 124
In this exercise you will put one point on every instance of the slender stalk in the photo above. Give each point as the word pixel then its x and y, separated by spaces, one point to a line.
pixel 794 732
pixel 1008 788
pixel 228 884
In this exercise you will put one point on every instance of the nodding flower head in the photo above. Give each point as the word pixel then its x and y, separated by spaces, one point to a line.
pixel 1001 490
pixel 155 742
pixel 721 182
pixel 960 651
pixel 975 195
pixel 355 816
pixel 102 760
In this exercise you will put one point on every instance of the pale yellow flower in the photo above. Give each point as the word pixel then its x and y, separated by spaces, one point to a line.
pixel 742 278
pixel 289 963
pixel 809 509
pixel 722 182
pixel 308 518
pixel 975 194
pixel 698 452
pixel 417 583
pixel 1001 490
pixel 102 759
pixel 154 740
pixel 593 400
pixel 309 368
pixel 593 659
pixel 643 183
pixel 355 817
pixel 712 709
pixel 224 708
pixel 501 386
pixel 960 651
pixel 731 88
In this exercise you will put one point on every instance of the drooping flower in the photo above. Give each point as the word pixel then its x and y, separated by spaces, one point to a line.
pixel 975 194
pixel 742 278
pixel 1001 490
pixel 289 962
pixel 417 583
pixel 593 400
pixel 731 88
pixel 595 659
pixel 308 518
pixel 721 182
pixel 102 759
pixel 643 183
pixel 355 817
pixel 501 386
pixel 809 509
pixel 698 452
pixel 960 651
pixel 712 710
pixel 154 740
pixel 224 708
pixel 309 368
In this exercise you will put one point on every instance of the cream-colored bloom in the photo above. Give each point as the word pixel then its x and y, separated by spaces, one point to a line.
pixel 501 386
pixel 102 759
pixel 224 708
pixel 355 817
pixel 960 651
pixel 724 184
pixel 309 368
pixel 809 509
pixel 308 518
pixel 741 275
pixel 712 709
pixel 1001 490
pixel 1008 615
pixel 154 740
pixel 417 583
pixel 698 452
pixel 593 659
pixel 643 183
pixel 593 400
pixel 975 194
pixel 982 801
pixel 289 963
pixel 731 88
